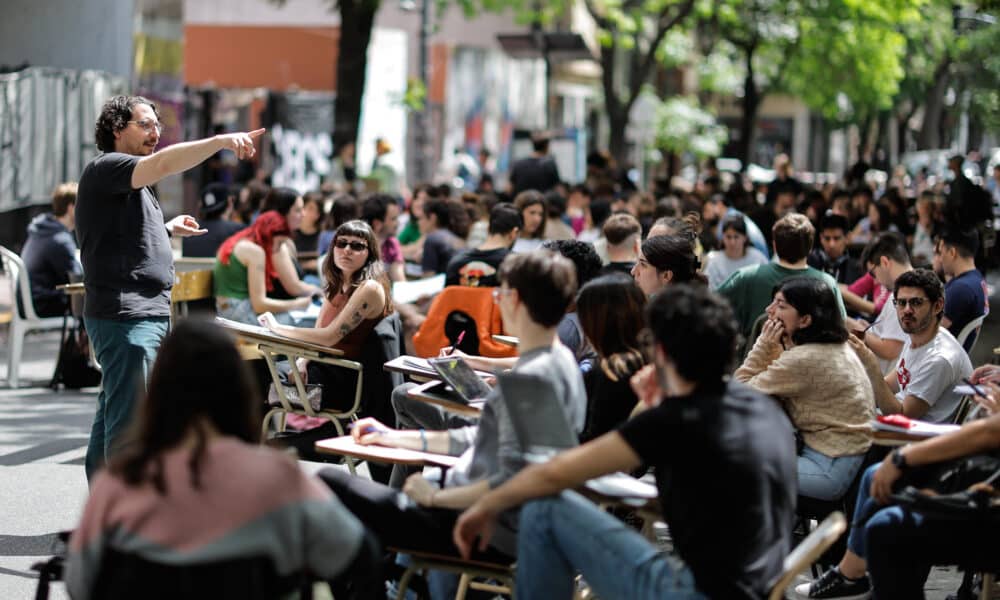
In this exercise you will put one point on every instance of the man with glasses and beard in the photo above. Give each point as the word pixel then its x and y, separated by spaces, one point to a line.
pixel 127 261
pixel 931 363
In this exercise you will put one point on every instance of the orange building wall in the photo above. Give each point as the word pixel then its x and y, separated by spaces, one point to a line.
pixel 271 57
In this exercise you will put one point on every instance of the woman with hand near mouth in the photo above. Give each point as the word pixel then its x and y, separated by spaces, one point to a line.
pixel 802 358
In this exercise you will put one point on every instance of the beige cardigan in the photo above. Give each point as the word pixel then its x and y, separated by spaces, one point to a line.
pixel 824 389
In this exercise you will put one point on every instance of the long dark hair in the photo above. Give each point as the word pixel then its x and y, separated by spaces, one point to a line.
pixel 198 377
pixel 810 296
pixel 372 269
pixel 610 308
pixel 280 199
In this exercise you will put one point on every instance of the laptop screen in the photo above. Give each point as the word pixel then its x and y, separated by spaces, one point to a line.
pixel 460 376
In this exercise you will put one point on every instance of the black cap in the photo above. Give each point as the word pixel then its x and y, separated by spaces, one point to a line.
pixel 213 199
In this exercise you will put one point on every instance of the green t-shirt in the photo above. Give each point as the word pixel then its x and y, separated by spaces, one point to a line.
pixel 409 234
pixel 230 281
pixel 751 289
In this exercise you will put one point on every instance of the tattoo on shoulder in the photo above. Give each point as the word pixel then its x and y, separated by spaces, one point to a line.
pixel 345 329
pixel 356 318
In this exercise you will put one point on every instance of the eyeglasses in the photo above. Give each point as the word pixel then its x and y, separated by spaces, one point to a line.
pixel 148 125
pixel 914 303
pixel 356 246
pixel 500 291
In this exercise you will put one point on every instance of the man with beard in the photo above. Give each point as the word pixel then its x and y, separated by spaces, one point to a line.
pixel 932 362
pixel 128 267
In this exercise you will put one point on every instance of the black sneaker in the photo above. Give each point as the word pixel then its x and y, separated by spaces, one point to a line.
pixel 832 584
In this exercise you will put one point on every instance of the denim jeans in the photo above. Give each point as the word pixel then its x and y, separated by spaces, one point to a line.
pixel 904 545
pixel 826 477
pixel 566 534
pixel 126 351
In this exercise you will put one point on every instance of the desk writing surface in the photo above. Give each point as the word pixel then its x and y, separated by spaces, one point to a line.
pixel 345 445
pixel 266 336
pixel 71 289
pixel 437 393
pixel 419 367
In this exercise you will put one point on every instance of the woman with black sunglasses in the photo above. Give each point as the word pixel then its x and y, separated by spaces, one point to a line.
pixel 356 298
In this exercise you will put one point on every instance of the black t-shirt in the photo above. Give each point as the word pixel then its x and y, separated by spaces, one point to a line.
pixel 609 402
pixel 534 173
pixel 725 469
pixel 206 245
pixel 618 267
pixel 128 267
pixel 475 268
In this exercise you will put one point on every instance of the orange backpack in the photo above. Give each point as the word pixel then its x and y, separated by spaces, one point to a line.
pixel 466 311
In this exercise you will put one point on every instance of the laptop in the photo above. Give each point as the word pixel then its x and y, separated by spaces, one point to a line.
pixel 543 430
pixel 459 375
pixel 538 417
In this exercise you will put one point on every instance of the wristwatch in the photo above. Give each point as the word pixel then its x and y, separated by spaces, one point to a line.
pixel 898 460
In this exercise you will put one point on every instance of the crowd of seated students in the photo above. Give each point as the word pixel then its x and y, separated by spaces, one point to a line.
pixel 643 364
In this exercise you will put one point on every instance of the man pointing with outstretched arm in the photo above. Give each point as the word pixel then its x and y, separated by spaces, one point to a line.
pixel 128 267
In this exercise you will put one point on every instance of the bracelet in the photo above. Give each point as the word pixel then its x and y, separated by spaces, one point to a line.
pixel 423 441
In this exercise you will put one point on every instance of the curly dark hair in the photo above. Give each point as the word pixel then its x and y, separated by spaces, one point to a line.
pixel 115 115
pixel 696 329
pixel 584 256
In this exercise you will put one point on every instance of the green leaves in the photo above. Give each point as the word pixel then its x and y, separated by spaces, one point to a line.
pixel 683 126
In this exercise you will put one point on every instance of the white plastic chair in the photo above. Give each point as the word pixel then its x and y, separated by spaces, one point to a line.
pixel 973 325
pixel 21 326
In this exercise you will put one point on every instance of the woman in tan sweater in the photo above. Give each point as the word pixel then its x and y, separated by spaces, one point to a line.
pixel 802 358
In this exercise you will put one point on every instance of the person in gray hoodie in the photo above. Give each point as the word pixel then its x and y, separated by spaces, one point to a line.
pixel 49 254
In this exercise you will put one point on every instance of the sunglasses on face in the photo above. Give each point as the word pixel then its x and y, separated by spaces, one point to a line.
pixel 913 302
pixel 356 246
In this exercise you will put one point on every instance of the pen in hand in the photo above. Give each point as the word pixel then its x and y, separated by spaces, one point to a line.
pixel 458 341
pixel 975 388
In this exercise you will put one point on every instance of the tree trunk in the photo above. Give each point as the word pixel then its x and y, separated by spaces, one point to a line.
pixel 929 137
pixel 751 104
pixel 356 20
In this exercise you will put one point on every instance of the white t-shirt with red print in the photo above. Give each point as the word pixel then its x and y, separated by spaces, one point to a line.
pixel 931 373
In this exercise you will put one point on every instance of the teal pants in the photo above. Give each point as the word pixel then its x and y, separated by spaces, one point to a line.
pixel 126 351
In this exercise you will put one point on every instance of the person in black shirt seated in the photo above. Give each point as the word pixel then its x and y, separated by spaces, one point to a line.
pixel 477 267
pixel 217 200
pixel 725 467
pixel 832 256
pixel 610 312
pixel 49 254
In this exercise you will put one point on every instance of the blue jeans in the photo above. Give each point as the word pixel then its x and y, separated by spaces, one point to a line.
pixel 566 534
pixel 126 351
pixel 825 477
pixel 903 546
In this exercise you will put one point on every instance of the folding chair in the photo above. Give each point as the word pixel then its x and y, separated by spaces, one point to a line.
pixel 374 385
pixel 974 325
pixel 803 555
pixel 475 574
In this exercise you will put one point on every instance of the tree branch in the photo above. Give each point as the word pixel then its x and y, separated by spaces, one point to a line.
pixel 664 25
pixel 601 20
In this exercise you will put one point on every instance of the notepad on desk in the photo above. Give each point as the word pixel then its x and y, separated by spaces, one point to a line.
pixel 912 427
